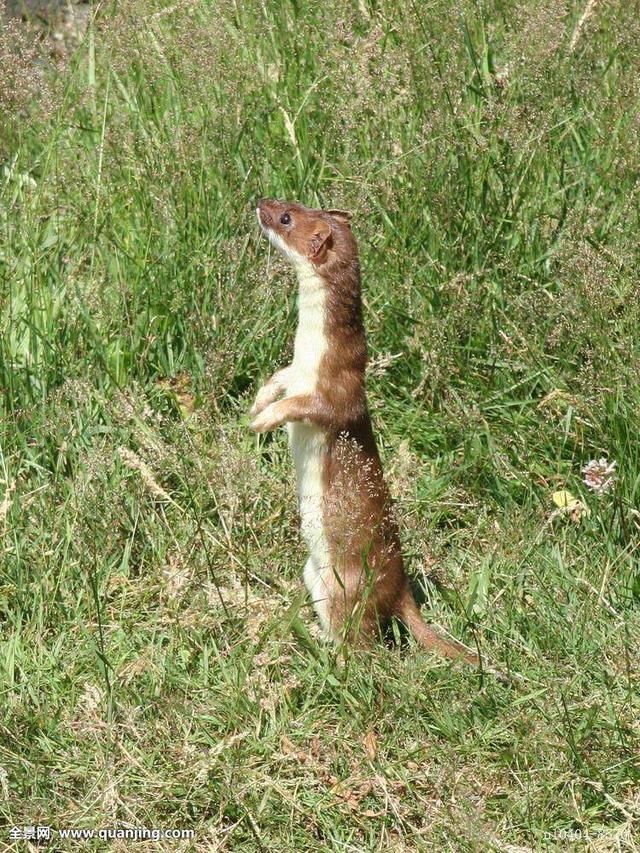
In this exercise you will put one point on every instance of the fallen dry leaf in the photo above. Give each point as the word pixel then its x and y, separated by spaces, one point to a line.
pixel 370 743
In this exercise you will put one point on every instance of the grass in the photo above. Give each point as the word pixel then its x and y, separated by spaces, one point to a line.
pixel 159 667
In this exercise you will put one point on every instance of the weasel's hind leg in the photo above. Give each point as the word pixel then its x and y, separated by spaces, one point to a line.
pixel 314 580
pixel 341 604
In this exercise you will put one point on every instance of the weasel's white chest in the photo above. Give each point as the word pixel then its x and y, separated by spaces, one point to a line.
pixel 306 440
pixel 310 343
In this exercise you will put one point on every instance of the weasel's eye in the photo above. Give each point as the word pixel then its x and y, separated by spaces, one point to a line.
pixel 285 219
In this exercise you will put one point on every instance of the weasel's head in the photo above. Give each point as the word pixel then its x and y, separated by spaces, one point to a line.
pixel 306 236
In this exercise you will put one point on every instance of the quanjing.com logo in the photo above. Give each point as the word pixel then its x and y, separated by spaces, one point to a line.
pixel 45 834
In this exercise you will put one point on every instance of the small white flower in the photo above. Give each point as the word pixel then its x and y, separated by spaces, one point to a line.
pixel 599 475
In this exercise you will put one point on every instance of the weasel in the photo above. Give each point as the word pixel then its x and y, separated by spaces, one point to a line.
pixel 355 573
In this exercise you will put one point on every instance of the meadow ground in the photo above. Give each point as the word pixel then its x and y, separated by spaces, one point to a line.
pixel 159 666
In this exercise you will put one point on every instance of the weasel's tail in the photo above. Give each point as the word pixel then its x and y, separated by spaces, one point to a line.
pixel 409 612
pixel 428 637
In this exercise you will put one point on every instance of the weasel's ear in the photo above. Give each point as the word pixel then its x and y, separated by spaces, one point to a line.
pixel 341 215
pixel 319 242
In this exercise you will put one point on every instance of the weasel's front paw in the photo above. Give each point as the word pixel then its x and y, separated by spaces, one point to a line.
pixel 264 397
pixel 267 420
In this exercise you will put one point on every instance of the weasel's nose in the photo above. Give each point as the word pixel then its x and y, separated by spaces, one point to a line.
pixel 262 211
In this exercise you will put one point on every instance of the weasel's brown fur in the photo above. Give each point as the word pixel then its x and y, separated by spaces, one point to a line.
pixel 355 572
